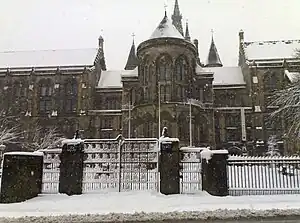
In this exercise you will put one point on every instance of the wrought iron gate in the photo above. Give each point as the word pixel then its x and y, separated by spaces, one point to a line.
pixel 121 165
pixel 191 178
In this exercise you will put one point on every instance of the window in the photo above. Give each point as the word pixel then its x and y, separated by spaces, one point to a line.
pixel 180 69
pixel 19 89
pixel 45 105
pixel 180 93
pixel 70 96
pixel 270 81
pixel 165 93
pixel 233 120
pixel 232 135
pixel 45 95
pixel 110 103
pixel 71 104
pixel 106 135
pixel 146 75
pixel 164 68
pixel 248 120
pixel 107 123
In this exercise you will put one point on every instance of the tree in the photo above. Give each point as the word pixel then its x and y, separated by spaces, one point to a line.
pixel 272 146
pixel 9 129
pixel 40 139
pixel 287 102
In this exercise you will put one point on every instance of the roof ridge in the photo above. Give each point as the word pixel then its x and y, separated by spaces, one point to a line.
pixel 44 50
pixel 272 41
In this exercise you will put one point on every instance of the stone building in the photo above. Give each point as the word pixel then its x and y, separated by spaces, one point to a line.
pixel 163 82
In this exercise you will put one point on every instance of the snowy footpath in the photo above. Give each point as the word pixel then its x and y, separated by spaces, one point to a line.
pixel 143 206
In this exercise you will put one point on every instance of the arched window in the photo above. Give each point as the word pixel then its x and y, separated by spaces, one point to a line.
pixel 146 75
pixel 164 68
pixel 180 93
pixel 19 89
pixel 165 93
pixel 180 69
pixel 45 96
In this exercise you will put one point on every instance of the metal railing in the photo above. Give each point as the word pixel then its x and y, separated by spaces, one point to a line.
pixel 263 175
pixel 110 164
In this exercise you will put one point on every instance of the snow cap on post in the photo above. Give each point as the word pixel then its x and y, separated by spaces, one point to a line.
pixel 207 154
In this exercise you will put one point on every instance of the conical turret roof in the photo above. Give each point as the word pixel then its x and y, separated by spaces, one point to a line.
pixel 213 59
pixel 166 29
pixel 132 61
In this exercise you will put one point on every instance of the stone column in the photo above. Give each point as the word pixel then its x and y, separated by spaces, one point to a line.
pixel 169 166
pixel 71 167
pixel 214 172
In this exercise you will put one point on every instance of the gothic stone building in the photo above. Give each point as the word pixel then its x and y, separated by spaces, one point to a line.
pixel 72 89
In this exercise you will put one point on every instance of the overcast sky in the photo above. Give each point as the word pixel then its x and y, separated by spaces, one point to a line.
pixel 56 24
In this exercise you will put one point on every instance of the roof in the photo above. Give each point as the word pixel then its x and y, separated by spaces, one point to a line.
pixel 47 58
pixel 227 75
pixel 166 29
pixel 222 76
pixel 130 73
pixel 213 59
pixel 132 61
pixel 266 50
pixel 292 76
pixel 110 79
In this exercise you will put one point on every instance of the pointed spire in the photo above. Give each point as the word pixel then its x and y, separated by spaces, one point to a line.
pixel 177 17
pixel 213 59
pixel 132 61
pixel 187 32
pixel 165 9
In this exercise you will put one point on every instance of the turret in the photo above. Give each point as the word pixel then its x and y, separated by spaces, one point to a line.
pixel 213 59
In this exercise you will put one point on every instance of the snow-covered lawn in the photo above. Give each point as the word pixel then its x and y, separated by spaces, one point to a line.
pixel 151 205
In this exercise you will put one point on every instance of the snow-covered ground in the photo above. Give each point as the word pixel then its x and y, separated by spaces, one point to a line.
pixel 150 205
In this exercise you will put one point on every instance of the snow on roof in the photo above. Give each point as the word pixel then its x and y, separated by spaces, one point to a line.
pixel 24 153
pixel 222 76
pixel 72 141
pixel 110 79
pixel 130 73
pixel 292 76
pixel 271 49
pixel 227 75
pixel 45 58
pixel 166 29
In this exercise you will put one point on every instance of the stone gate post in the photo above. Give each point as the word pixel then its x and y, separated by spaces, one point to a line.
pixel 214 172
pixel 71 167
pixel 169 163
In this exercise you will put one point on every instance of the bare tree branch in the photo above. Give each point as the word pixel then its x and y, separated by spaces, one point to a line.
pixel 43 140
pixel 9 129
pixel 287 102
